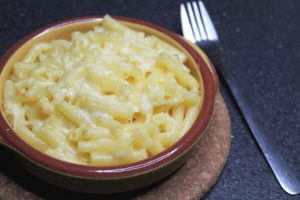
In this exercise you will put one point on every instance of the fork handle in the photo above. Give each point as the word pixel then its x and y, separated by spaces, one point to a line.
pixel 285 175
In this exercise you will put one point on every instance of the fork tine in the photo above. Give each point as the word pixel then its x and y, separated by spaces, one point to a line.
pixel 209 26
pixel 199 21
pixel 193 22
pixel 186 26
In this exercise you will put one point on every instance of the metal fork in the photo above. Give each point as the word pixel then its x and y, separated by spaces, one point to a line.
pixel 198 27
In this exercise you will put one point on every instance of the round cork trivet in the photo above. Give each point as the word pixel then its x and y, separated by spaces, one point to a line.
pixel 191 181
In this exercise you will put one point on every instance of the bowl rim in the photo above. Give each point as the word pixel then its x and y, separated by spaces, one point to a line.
pixel 210 84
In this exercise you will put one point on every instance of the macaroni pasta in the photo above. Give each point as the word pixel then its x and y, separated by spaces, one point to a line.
pixel 107 97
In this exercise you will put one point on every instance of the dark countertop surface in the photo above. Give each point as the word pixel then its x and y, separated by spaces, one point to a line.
pixel 260 45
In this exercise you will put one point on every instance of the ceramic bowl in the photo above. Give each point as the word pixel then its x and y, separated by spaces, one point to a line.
pixel 90 179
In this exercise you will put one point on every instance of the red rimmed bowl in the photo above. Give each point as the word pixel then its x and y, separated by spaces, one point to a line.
pixel 90 179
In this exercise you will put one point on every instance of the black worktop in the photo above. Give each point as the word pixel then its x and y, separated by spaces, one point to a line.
pixel 260 45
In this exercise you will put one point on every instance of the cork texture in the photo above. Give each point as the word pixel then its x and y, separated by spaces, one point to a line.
pixel 192 181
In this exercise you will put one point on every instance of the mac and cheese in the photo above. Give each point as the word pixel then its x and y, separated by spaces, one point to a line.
pixel 107 97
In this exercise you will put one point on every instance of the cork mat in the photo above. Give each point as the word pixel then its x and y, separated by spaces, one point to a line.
pixel 191 181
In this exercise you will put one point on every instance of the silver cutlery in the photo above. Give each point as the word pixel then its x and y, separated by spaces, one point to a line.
pixel 198 27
